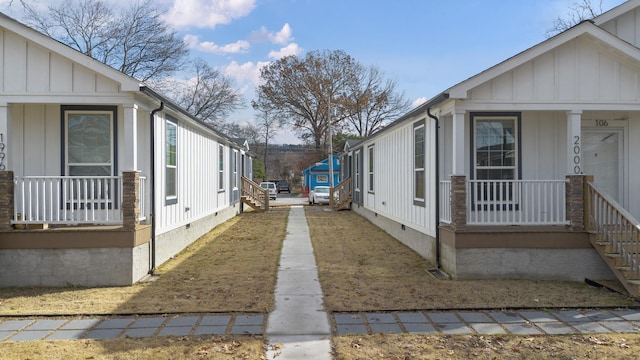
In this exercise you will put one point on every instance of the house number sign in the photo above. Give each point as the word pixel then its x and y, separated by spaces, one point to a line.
pixel 2 153
pixel 577 169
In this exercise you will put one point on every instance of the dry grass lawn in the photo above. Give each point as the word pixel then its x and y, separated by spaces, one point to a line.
pixel 361 268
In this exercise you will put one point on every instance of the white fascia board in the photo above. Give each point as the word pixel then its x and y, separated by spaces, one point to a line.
pixel 127 83
pixel 460 91
pixel 616 11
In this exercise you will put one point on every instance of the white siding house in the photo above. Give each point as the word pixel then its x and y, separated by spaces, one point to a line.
pixel 102 179
pixel 512 172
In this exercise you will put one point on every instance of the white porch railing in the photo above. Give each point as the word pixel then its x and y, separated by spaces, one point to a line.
pixel 445 202
pixel 71 200
pixel 516 202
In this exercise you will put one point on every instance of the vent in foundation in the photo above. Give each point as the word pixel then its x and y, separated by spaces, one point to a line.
pixel 438 274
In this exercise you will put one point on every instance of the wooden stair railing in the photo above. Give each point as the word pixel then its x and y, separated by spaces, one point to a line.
pixel 615 235
pixel 340 196
pixel 254 196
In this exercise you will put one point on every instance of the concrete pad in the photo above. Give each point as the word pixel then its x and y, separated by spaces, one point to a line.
pixel 521 328
pixel 99 334
pixel 348 319
pixel 351 329
pixel 215 320
pixel 386 328
pixel 589 327
pixel 45 325
pixel 631 315
pixel 249 320
pixel 140 332
pixel 246 330
pixel 420 328
pixel 210 330
pixel 555 328
pixel 413 317
pixel 602 315
pixel 474 317
pixel 182 321
pixel 14 325
pixel 73 334
pixel 621 326
pixel 148 323
pixel 386 318
pixel 30 335
pixel 454 328
pixel 80 324
pixel 537 316
pixel 308 347
pixel 6 334
pixel 487 328
pixel 298 282
pixel 570 316
pixel 175 331
pixel 114 324
pixel 507 317
pixel 443 318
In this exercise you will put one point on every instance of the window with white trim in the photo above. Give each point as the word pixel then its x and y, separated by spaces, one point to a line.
pixel 171 161
pixel 357 172
pixel 234 160
pixel 221 167
pixel 370 168
pixel 419 163
pixel 89 145
pixel 495 156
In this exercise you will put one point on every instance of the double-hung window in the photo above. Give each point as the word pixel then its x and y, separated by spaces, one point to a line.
pixel 496 158
pixel 221 167
pixel 370 168
pixel 419 163
pixel 171 161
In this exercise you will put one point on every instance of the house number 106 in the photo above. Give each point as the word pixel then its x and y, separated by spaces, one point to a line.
pixel 576 155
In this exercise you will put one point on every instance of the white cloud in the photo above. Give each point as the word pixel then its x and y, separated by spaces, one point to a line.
pixel 282 37
pixel 291 49
pixel 418 101
pixel 207 13
pixel 247 74
pixel 193 41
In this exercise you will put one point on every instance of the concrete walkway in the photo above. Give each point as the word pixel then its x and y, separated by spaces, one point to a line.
pixel 298 328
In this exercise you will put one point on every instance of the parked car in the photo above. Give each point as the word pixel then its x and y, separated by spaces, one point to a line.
pixel 271 186
pixel 283 186
pixel 319 195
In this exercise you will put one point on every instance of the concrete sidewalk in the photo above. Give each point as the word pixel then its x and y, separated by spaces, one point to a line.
pixel 298 328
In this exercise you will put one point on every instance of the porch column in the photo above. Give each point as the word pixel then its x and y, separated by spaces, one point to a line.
pixel 130 199
pixel 458 201
pixel 575 193
pixel 574 142
pixel 4 137
pixel 130 137
pixel 6 199
pixel 459 138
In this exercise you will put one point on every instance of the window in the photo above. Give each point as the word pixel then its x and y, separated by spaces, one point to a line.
pixel 234 161
pixel 371 168
pixel 221 167
pixel 90 143
pixel 322 178
pixel 419 163
pixel 496 155
pixel 171 162
pixel 357 163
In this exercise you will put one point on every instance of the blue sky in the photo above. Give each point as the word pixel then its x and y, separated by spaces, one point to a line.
pixel 426 45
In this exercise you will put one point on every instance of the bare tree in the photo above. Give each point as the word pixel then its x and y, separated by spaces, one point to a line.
pixel 580 11
pixel 133 40
pixel 208 94
pixel 372 102
pixel 299 90
pixel 267 126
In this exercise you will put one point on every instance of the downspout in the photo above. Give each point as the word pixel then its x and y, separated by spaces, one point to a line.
pixel 153 187
pixel 437 176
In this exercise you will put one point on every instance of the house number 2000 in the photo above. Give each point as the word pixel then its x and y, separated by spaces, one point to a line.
pixel 576 155
pixel 2 153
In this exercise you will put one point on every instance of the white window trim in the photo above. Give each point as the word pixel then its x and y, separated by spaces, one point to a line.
pixel 171 199
pixel 371 168
pixel 221 181
pixel 419 126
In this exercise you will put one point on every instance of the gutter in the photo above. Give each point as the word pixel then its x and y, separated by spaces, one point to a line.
pixel 153 187
pixel 437 176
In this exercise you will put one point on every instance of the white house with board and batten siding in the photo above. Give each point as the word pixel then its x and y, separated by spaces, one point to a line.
pixel 102 179
pixel 525 170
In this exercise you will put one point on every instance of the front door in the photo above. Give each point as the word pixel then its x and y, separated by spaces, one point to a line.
pixel 602 158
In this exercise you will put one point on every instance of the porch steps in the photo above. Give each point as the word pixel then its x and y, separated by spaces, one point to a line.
pixel 343 205
pixel 618 265
pixel 255 205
